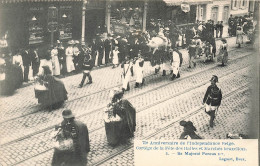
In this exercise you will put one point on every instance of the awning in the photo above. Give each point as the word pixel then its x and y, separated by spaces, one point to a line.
pixel 190 2
pixel 15 1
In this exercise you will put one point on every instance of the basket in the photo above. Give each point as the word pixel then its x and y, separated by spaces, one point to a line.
pixel 113 131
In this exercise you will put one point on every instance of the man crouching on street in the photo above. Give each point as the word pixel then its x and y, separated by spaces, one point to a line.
pixel 212 99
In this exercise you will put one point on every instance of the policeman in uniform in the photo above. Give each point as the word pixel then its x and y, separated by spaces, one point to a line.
pixel 212 98
pixel 88 64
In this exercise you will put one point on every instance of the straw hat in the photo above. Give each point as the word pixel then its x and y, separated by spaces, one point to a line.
pixel 71 42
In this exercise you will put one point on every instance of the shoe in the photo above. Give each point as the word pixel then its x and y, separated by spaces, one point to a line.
pixel 178 75
pixel 80 86
pixel 164 73
pixel 136 85
pixel 173 77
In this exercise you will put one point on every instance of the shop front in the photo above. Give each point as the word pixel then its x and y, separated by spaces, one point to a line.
pixel 40 23
pixel 126 17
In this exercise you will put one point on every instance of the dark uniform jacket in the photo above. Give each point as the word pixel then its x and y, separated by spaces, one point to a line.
pixel 26 58
pixel 213 96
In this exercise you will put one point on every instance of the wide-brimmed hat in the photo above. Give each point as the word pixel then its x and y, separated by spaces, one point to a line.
pixel 67 114
pixel 71 42
pixel 214 78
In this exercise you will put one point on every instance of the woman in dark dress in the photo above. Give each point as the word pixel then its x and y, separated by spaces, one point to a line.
pixel 54 94
pixel 121 123
pixel 11 77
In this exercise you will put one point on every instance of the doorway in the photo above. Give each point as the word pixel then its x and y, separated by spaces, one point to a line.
pixel 214 14
pixel 225 14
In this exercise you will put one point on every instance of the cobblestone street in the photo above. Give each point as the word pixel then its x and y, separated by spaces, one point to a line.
pixel 26 128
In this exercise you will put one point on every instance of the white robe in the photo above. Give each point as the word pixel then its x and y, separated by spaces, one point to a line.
pixel 175 63
pixel 115 57
pixel 139 71
pixel 126 74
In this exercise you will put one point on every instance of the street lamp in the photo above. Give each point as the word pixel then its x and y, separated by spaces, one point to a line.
pixel 83 22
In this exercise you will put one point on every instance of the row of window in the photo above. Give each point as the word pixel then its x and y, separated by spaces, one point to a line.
pixel 239 4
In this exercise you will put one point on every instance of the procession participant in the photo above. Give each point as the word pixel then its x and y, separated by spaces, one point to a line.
pixel 88 64
pixel 35 61
pixel 166 58
pixel 175 63
pixel 94 50
pixel 127 66
pixel 11 76
pixel 115 58
pixel 26 63
pixel 188 131
pixel 69 57
pixel 46 61
pixel 217 28
pixel 120 119
pixel 100 50
pixel 155 59
pixel 76 53
pixel 54 94
pixel 77 132
pixel 192 53
pixel 139 65
pixel 108 49
pixel 221 26
pixel 55 61
pixel 208 52
pixel 62 57
pixel 212 98
pixel 239 33
pixel 223 53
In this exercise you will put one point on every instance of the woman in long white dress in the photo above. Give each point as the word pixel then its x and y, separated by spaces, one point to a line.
pixel 115 57
pixel 55 61
pixel 240 34
pixel 69 57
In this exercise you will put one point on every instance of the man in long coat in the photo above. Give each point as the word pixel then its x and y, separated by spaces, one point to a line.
pixel 26 63
pixel 78 131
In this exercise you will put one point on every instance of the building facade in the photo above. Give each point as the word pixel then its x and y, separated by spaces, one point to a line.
pixel 219 10
pixel 239 7
pixel 31 23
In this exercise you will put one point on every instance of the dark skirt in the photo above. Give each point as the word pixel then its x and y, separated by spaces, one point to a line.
pixel 56 93
pixel 13 80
